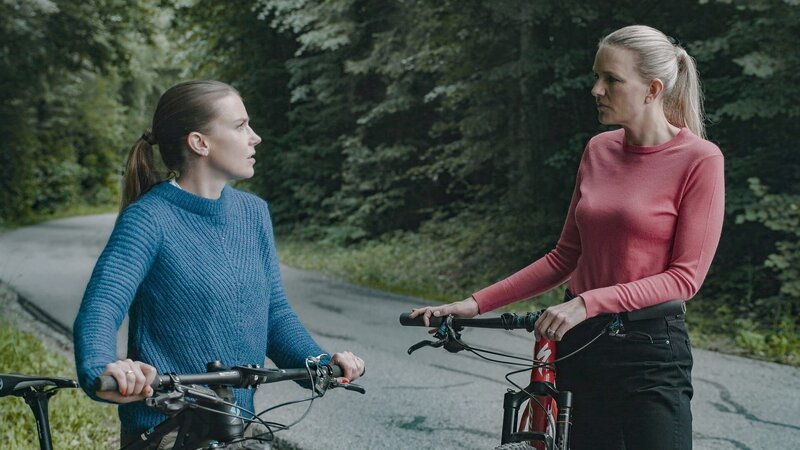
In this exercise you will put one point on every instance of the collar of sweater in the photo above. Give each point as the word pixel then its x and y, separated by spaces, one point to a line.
pixel 194 203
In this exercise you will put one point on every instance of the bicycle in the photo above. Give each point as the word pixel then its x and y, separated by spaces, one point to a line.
pixel 548 415
pixel 207 417
pixel 36 391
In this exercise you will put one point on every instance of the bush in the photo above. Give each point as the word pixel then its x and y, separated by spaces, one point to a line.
pixel 444 261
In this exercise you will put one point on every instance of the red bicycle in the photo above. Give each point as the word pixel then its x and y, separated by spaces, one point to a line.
pixel 546 419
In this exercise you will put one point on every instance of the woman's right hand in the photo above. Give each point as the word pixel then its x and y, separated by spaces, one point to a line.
pixel 133 379
pixel 465 308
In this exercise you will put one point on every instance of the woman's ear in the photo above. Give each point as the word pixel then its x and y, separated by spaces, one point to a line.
pixel 655 89
pixel 197 143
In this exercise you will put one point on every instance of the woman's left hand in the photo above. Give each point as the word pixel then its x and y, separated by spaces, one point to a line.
pixel 558 319
pixel 352 366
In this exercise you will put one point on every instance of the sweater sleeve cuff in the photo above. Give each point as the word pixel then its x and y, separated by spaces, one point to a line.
pixel 86 380
pixel 599 301
pixel 483 299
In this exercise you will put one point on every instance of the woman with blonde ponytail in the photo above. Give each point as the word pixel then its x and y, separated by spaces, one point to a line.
pixel 191 261
pixel 642 228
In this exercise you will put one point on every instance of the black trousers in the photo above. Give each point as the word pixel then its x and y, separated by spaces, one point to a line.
pixel 631 392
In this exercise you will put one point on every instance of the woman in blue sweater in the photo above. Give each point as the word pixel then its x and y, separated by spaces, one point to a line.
pixel 191 260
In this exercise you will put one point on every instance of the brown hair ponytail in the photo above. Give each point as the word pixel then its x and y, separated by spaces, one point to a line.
pixel 182 109
pixel 141 172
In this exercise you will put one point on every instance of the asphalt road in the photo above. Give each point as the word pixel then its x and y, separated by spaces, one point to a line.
pixel 432 399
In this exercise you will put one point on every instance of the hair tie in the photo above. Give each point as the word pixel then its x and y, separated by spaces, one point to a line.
pixel 148 137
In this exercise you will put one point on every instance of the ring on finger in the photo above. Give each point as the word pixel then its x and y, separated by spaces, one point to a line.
pixel 551 332
pixel 127 372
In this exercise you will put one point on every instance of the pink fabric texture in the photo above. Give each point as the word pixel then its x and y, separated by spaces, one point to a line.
pixel 642 227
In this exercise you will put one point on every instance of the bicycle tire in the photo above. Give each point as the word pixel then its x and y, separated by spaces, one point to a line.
pixel 515 446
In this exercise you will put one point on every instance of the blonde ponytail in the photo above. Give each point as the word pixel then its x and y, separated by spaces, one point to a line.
pixel 684 104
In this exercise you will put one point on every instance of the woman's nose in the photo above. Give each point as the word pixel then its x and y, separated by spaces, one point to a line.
pixel 256 139
pixel 597 89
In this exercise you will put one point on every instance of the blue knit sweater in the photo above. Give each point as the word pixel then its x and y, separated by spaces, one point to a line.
pixel 200 281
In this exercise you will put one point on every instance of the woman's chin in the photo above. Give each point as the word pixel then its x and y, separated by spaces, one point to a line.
pixel 244 175
pixel 604 119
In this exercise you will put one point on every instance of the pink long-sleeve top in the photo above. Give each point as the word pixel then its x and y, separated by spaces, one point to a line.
pixel 642 228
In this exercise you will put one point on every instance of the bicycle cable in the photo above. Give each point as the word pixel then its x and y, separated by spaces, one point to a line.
pixel 271 427
pixel 253 419
pixel 550 419
pixel 475 350
pixel 533 365
pixel 583 346
pixel 314 395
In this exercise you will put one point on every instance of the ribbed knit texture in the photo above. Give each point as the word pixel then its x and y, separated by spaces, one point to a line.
pixel 201 282
pixel 642 227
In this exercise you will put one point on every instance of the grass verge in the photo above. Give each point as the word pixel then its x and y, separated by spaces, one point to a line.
pixel 420 266
pixel 415 269
pixel 75 420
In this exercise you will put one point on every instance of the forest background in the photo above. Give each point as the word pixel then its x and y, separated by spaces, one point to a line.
pixel 426 147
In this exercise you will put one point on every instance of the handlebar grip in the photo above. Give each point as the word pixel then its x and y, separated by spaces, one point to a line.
pixel 107 383
pixel 336 371
pixel 417 321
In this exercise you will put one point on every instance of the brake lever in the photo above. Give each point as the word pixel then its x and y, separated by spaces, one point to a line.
pixel 449 337
pixel 168 402
pixel 426 343
pixel 454 346
pixel 349 386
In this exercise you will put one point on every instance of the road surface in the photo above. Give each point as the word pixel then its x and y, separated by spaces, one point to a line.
pixel 432 399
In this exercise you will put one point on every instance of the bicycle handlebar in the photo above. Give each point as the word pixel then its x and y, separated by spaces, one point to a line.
pixel 238 376
pixel 506 321
pixel 509 321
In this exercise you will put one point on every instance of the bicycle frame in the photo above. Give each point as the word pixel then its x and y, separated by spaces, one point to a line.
pixel 550 403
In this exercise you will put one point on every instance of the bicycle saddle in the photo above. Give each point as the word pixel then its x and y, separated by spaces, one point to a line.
pixel 16 384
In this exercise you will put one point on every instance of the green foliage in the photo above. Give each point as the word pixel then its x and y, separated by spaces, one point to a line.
pixel 747 67
pixel 444 260
pixel 70 73
pixel 75 420
pixel 780 344
pixel 391 121
pixel 780 213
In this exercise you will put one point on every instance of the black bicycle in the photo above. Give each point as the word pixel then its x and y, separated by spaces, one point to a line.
pixel 36 391
pixel 201 406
